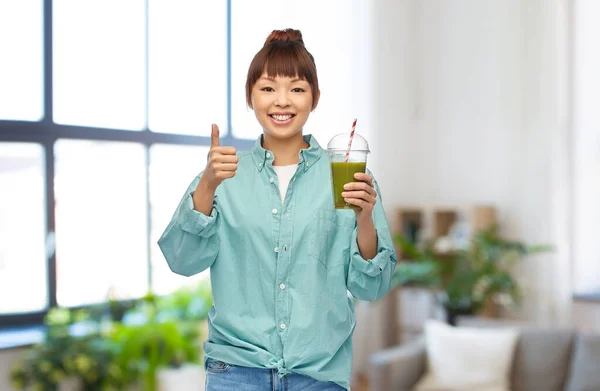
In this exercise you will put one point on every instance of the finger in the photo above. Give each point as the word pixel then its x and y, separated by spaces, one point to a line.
pixel 361 186
pixel 361 176
pixel 214 136
pixel 226 166
pixel 221 158
pixel 358 202
pixel 223 151
pixel 360 195
pixel 225 174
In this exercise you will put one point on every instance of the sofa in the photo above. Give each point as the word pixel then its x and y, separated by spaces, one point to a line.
pixel 544 359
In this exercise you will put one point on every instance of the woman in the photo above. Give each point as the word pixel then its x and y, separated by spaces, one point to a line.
pixel 281 257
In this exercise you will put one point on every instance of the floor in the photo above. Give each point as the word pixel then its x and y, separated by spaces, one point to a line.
pixel 363 384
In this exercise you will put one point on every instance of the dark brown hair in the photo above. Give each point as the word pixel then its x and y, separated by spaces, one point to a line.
pixel 283 54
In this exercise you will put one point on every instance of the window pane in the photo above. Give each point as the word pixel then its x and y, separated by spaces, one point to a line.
pixel 586 152
pixel 187 66
pixel 342 67
pixel 101 229
pixel 21 67
pixel 99 63
pixel 172 169
pixel 23 272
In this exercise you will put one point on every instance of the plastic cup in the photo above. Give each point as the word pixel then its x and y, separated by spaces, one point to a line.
pixel 344 165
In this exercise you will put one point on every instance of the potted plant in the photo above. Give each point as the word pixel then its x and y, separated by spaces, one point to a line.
pixel 153 342
pixel 86 358
pixel 471 278
pixel 146 348
pixel 188 306
pixel 422 267
pixel 159 339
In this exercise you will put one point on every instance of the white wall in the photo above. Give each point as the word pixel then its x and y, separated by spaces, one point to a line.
pixel 468 107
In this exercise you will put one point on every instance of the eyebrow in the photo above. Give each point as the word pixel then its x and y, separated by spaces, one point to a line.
pixel 273 79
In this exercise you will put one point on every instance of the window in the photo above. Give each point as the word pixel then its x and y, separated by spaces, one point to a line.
pixel 22 203
pixel 101 224
pixel 105 113
pixel 21 71
pixel 99 63
pixel 586 147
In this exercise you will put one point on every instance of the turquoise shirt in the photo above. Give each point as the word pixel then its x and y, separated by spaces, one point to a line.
pixel 280 272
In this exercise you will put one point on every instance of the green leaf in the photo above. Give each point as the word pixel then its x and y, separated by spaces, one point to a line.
pixel 540 248
pixel 425 273
pixel 408 249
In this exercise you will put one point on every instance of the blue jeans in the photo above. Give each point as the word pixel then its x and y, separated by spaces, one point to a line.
pixel 224 377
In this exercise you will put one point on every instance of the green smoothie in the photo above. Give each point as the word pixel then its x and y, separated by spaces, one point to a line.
pixel 342 173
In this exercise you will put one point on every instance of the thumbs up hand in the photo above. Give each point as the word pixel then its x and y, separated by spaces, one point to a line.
pixel 222 162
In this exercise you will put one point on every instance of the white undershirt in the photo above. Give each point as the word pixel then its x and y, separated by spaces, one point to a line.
pixel 284 175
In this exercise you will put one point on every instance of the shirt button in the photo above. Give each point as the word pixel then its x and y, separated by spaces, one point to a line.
pixel 276 249
pixel 282 286
pixel 271 180
pixel 274 211
pixel 268 155
pixel 307 164
pixel 283 326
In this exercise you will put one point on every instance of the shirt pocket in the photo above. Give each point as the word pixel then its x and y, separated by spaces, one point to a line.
pixel 330 237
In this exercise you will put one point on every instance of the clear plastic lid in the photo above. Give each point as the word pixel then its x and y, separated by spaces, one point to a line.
pixel 340 143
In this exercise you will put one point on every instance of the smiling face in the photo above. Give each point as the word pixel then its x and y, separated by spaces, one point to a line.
pixel 282 104
pixel 282 87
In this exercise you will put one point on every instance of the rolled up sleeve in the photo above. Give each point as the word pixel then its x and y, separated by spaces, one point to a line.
pixel 190 243
pixel 194 222
pixel 370 279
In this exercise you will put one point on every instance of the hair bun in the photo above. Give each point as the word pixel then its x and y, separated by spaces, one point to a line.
pixel 287 35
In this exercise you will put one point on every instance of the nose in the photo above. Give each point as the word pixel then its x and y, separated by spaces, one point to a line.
pixel 282 99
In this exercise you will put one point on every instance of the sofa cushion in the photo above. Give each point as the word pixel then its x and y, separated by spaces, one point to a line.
pixel 542 359
pixel 464 358
pixel 430 383
pixel 542 356
pixel 585 364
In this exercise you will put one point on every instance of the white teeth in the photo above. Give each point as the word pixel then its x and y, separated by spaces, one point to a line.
pixel 282 117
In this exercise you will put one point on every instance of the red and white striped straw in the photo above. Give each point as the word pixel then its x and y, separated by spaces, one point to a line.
pixel 350 141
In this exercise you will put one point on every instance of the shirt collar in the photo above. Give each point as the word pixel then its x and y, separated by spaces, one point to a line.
pixel 308 157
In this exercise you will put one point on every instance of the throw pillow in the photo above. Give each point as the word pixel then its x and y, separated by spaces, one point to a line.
pixel 465 358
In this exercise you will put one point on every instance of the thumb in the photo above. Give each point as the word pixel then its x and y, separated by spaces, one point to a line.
pixel 214 137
